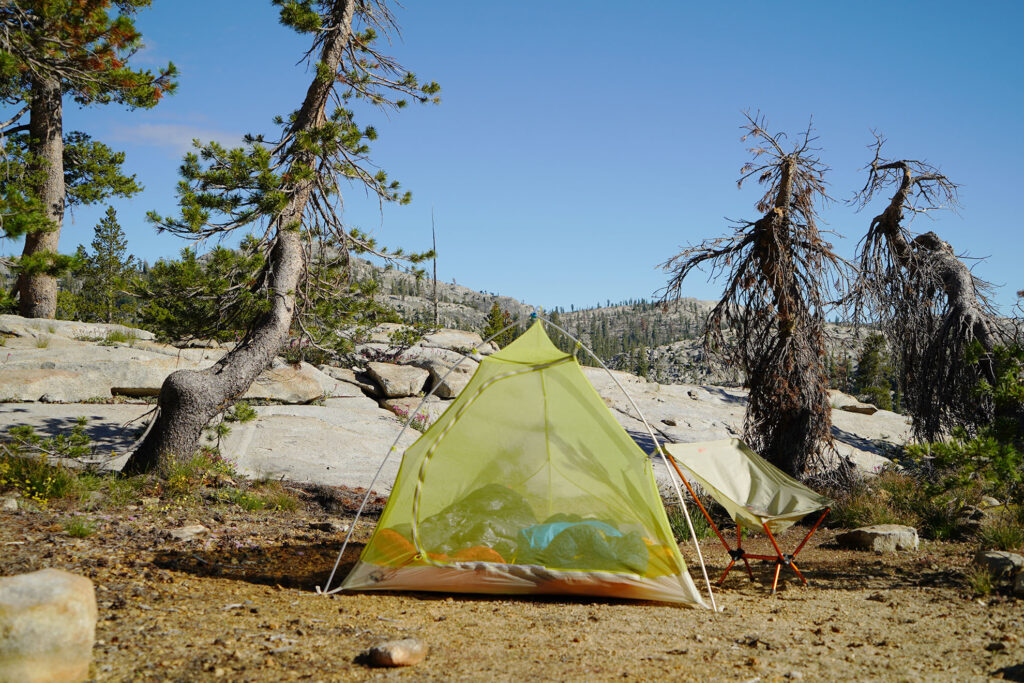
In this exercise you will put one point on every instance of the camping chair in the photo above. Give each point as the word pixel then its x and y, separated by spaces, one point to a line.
pixel 754 492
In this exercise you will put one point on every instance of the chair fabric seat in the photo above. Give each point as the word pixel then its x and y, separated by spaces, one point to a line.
pixel 751 489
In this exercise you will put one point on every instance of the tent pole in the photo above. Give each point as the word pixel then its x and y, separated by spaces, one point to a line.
pixel 657 449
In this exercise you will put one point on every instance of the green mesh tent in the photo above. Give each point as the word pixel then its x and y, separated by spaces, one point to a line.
pixel 526 484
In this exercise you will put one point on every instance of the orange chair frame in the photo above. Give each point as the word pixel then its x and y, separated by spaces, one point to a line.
pixel 780 558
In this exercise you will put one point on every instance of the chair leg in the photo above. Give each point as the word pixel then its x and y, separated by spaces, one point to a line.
pixel 798 572
pixel 726 573
pixel 750 572
pixel 775 581
pixel 813 529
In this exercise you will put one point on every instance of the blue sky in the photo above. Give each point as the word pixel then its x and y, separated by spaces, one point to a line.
pixel 580 144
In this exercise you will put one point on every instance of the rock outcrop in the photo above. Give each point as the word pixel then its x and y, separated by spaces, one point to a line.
pixel 334 425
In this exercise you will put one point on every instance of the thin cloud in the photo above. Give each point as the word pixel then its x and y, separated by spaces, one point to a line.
pixel 174 137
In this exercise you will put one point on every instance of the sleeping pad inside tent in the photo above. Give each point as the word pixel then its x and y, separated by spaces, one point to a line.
pixel 526 484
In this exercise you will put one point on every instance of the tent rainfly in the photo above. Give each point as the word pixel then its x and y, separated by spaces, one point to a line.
pixel 526 484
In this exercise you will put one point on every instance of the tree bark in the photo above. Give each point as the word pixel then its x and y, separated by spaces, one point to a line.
pixel 189 399
pixel 37 292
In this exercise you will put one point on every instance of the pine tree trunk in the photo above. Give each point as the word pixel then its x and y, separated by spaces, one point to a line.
pixel 37 292
pixel 189 399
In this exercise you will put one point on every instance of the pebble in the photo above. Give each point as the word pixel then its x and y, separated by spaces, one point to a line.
pixel 405 652
pixel 187 533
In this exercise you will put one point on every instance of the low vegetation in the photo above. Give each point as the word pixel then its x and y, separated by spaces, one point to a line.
pixel 52 473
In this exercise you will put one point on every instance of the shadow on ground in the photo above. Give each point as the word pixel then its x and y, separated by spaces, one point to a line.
pixel 288 565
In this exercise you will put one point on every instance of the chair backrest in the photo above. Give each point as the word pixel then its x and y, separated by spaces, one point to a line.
pixel 749 487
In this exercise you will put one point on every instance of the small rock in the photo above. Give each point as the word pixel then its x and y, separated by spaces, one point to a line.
pixel 149 500
pixel 187 533
pixel 880 538
pixel 48 622
pixel 996 646
pixel 670 422
pixel 989 502
pixel 404 652
pixel 9 504
pixel 93 499
pixel 999 562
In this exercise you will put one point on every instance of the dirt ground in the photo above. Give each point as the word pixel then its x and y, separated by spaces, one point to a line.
pixel 239 604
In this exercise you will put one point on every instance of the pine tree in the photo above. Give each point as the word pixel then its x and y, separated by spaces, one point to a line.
pixel 642 365
pixel 286 194
pixel 107 273
pixel 871 378
pixel 92 173
pixel 498 320
pixel 50 49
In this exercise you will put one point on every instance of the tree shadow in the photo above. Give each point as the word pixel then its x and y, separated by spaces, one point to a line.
pixel 827 567
pixel 725 396
pixel 289 565
pixel 876 446
pixel 1013 672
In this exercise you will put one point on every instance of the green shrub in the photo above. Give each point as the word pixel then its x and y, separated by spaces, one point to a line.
pixel 298 350
pixel 73 444
pixel 25 462
pixel 280 499
pixel 878 396
pixel 117 337
pixel 123 491
pixel 79 527
pixel 869 502
pixel 184 478
pixel 246 500
pixel 240 412
pixel 979 581
pixel 33 477
pixel 982 465
pixel 275 496
pixel 1004 534
pixel 681 531
pixel 263 496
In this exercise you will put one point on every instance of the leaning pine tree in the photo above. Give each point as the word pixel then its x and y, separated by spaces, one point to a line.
pixel 287 194
pixel 770 319
pixel 934 313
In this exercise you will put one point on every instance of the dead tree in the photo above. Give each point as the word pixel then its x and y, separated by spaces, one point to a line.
pixel 934 312
pixel 770 319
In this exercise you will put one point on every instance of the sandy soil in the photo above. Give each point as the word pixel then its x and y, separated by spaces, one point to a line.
pixel 239 605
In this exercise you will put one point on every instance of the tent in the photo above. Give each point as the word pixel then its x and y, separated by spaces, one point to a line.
pixel 526 484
